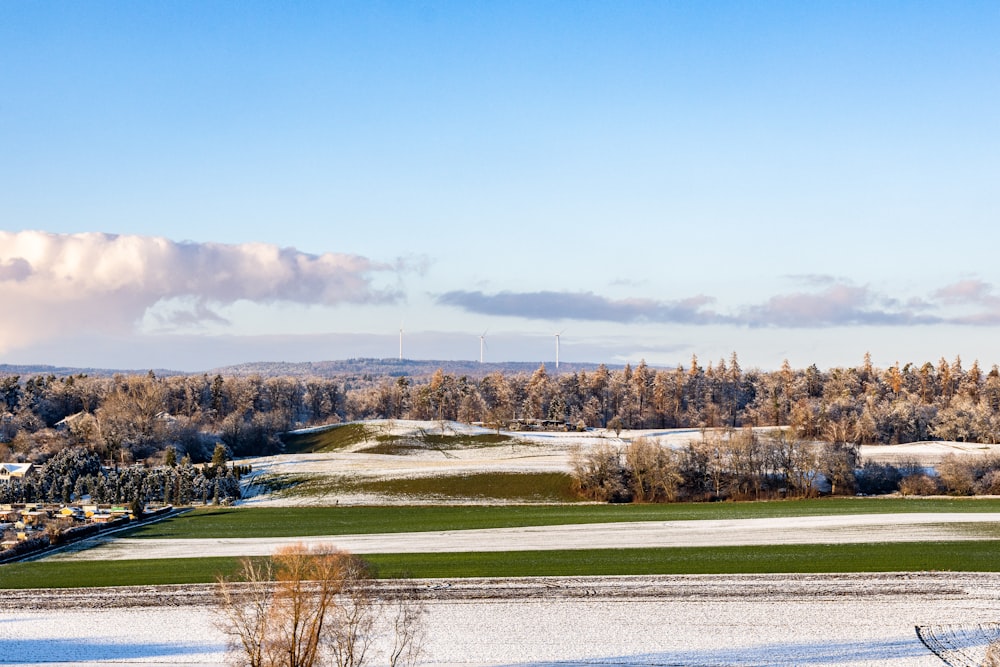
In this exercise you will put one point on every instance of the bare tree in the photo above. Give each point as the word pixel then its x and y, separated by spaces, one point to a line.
pixel 599 474
pixel 309 604
pixel 354 617
pixel 653 474
pixel 243 609
pixel 407 629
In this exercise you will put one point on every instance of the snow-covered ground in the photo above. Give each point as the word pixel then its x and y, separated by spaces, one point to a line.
pixel 925 453
pixel 530 452
pixel 848 620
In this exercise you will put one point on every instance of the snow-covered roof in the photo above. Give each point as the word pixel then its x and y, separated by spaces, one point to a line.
pixel 14 469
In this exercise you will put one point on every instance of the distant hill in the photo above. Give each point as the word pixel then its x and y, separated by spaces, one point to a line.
pixel 346 367
pixel 396 368
pixel 63 371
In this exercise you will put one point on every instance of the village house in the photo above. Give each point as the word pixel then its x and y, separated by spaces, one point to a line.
pixel 34 517
pixel 9 471
pixel 75 513
pixel 67 423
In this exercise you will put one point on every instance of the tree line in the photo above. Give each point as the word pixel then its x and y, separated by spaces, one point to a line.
pixel 130 418
pixel 747 464
pixel 74 473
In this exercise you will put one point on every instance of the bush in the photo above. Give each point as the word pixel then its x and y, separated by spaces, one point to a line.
pixel 26 547
pixel 599 475
pixel 877 478
pixel 54 534
pixel 652 472
pixel 989 484
pixel 918 484
pixel 958 477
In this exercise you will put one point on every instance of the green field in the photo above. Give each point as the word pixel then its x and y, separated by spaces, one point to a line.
pixel 327 440
pixel 496 487
pixel 374 439
pixel 981 556
pixel 245 522
pixel 357 520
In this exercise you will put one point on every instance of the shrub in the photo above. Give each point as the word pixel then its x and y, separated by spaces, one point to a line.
pixel 26 547
pixel 989 484
pixel 599 474
pixel 956 476
pixel 918 484
pixel 877 478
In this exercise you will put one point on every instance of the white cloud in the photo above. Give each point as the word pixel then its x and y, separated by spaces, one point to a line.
pixel 60 285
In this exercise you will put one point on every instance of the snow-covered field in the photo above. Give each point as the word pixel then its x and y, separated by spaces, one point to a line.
pixel 849 620
pixel 531 452
pixel 925 453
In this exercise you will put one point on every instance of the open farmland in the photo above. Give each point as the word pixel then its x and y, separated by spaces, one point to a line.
pixel 870 528
pixel 847 620
pixel 458 546
pixel 386 462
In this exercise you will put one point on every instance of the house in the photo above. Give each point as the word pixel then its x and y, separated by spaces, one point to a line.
pixel 67 423
pixel 75 513
pixel 34 517
pixel 10 471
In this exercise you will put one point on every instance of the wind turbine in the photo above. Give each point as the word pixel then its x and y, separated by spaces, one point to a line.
pixel 482 345
pixel 557 348
pixel 400 341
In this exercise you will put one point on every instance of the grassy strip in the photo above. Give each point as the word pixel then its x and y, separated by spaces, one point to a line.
pixel 307 521
pixel 327 440
pixel 408 444
pixel 347 435
pixel 548 487
pixel 787 559
pixel 85 574
pixel 981 556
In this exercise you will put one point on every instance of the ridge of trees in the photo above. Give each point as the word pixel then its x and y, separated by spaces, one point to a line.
pixel 128 418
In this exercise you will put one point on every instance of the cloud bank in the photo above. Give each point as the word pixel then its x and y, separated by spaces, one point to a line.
pixel 53 285
pixel 826 302
pixel 582 306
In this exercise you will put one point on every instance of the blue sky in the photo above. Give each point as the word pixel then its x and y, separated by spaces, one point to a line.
pixel 192 184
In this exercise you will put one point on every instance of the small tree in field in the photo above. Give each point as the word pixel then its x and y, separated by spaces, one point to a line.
pixel 309 607
pixel 599 474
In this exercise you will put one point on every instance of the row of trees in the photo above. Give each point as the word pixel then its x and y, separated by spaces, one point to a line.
pixel 735 465
pixel 128 418
pixel 745 465
pixel 76 472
